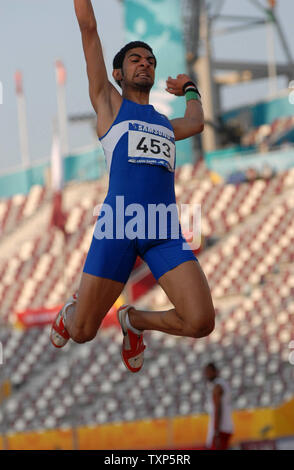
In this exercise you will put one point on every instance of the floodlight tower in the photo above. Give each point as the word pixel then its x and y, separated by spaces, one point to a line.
pixel 202 19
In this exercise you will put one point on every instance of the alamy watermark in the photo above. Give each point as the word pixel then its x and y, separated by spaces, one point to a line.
pixel 149 222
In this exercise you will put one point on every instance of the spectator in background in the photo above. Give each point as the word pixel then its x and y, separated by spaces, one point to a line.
pixel 267 172
pixel 251 174
pixel 237 177
pixel 220 428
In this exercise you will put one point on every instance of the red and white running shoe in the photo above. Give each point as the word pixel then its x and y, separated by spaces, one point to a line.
pixel 133 347
pixel 59 335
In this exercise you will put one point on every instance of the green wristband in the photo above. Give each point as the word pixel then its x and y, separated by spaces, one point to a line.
pixel 192 95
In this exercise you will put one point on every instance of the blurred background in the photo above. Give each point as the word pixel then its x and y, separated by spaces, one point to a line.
pixel 53 174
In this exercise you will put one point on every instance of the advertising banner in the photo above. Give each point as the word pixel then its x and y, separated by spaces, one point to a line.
pixel 259 445
pixel 45 316
pixel 36 317
pixel 159 24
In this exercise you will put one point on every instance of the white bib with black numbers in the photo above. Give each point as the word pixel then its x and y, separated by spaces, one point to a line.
pixel 151 144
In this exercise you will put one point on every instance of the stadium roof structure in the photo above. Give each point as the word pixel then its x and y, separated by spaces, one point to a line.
pixel 198 11
pixel 203 20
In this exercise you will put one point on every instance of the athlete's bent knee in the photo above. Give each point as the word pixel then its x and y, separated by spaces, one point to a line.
pixel 81 335
pixel 206 329
pixel 203 327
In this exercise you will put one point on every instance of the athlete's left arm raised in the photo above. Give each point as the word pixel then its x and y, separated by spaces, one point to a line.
pixel 193 121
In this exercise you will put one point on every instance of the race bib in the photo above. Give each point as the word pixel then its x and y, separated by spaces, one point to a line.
pixel 148 144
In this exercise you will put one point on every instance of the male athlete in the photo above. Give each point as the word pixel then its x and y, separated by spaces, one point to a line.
pixel 139 145
pixel 220 428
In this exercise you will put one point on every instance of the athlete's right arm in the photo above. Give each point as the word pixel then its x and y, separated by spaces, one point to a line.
pixel 104 96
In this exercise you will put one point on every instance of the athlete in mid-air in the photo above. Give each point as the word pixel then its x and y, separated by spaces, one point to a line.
pixel 139 146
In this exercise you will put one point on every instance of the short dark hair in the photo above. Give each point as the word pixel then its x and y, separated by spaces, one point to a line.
pixel 119 58
pixel 212 366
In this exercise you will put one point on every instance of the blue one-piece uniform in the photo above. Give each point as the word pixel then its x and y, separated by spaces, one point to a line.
pixel 140 155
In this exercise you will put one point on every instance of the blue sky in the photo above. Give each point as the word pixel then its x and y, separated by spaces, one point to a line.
pixel 35 33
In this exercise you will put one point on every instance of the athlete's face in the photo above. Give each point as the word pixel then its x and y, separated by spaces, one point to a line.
pixel 139 69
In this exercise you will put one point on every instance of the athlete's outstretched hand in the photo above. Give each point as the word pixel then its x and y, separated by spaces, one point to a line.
pixel 175 85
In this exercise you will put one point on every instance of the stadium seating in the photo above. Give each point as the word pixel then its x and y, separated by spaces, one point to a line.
pixel 18 208
pixel 280 131
pixel 251 275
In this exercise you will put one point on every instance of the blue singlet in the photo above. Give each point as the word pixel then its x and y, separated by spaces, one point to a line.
pixel 140 155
